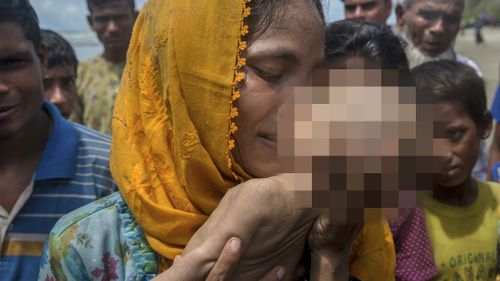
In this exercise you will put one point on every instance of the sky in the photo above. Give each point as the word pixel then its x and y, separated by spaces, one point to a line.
pixel 68 17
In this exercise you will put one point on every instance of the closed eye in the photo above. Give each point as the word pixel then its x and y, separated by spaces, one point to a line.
pixel 267 76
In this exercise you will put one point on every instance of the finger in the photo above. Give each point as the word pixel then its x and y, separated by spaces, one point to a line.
pixel 177 258
pixel 227 261
pixel 277 273
pixel 182 268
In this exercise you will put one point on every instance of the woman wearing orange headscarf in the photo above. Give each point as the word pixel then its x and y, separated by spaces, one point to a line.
pixel 194 122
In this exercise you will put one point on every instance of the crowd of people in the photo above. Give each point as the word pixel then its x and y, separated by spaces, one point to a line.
pixel 247 140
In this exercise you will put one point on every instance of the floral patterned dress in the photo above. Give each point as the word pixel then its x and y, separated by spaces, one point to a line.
pixel 98 81
pixel 100 241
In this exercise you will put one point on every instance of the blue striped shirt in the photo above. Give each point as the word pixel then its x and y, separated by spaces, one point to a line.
pixel 73 172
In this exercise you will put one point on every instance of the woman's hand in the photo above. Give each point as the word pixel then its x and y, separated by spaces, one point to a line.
pixel 263 213
pixel 189 267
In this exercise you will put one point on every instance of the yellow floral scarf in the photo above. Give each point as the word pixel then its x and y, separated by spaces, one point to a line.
pixel 172 129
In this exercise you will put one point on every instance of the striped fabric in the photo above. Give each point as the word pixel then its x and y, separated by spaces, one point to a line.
pixel 74 171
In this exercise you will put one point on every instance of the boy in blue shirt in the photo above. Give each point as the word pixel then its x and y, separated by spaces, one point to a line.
pixel 48 166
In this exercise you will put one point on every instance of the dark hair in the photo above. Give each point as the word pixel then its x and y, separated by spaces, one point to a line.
pixel 21 13
pixel 59 51
pixel 97 3
pixel 451 81
pixel 374 42
pixel 265 11
pixel 408 3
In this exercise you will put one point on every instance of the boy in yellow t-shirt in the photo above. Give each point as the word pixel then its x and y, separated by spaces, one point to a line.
pixel 461 214
pixel 464 239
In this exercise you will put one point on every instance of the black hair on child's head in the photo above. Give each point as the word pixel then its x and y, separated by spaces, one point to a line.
pixel 59 51
pixel 373 42
pixel 451 81
pixel 20 12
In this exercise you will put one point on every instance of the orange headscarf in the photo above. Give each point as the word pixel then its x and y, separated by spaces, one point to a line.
pixel 172 125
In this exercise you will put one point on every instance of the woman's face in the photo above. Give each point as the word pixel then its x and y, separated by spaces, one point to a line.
pixel 281 58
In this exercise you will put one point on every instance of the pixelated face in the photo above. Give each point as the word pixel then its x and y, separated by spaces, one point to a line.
pixel 283 57
pixel 113 22
pixel 368 10
pixel 432 25
pixel 460 143
pixel 354 140
pixel 59 84
pixel 21 92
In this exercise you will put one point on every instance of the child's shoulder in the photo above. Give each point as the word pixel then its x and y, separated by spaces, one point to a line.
pixel 490 185
pixel 493 188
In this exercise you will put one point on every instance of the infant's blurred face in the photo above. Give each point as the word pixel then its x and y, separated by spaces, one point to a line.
pixel 351 139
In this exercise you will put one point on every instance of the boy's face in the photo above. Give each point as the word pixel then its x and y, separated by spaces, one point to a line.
pixel 60 88
pixel 113 23
pixel 21 91
pixel 459 143
pixel 368 10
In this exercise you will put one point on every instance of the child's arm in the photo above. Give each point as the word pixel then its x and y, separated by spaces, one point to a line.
pixel 494 156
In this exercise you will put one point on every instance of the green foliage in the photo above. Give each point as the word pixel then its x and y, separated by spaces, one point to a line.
pixel 474 7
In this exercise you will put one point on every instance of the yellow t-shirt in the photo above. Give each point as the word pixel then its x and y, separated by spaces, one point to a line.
pixel 464 239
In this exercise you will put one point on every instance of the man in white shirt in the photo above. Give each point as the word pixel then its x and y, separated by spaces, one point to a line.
pixel 430 27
